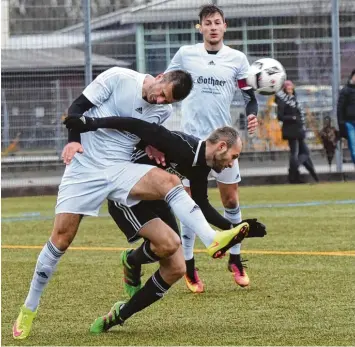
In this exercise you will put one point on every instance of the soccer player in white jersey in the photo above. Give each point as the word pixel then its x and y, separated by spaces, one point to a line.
pixel 99 168
pixel 216 70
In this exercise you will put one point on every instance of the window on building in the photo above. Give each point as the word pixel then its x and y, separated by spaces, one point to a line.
pixel 286 33
pixel 233 35
pixel 259 50
pixel 285 20
pixel 259 34
pixel 182 39
pixel 258 21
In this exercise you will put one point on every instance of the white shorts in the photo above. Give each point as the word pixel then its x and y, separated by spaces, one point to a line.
pixel 227 176
pixel 83 190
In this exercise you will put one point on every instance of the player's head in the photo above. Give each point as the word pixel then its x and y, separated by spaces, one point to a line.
pixel 212 24
pixel 169 87
pixel 223 146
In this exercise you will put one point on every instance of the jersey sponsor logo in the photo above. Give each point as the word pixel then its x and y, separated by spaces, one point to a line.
pixel 210 80
pixel 211 63
pixel 139 110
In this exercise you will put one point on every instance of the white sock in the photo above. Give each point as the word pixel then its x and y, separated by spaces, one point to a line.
pixel 234 215
pixel 190 214
pixel 188 241
pixel 46 264
pixel 235 249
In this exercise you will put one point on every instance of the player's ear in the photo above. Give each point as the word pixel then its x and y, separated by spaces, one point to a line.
pixel 222 145
pixel 159 77
pixel 225 26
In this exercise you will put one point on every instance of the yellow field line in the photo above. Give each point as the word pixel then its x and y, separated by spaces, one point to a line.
pixel 115 249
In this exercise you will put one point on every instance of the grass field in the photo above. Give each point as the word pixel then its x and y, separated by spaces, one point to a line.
pixel 302 278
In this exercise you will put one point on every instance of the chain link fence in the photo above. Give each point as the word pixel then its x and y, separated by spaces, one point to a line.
pixel 43 59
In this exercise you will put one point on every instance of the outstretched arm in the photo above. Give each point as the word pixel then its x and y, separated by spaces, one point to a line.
pixel 199 193
pixel 199 186
pixel 170 143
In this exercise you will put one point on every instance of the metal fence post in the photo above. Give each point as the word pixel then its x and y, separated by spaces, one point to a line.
pixel 87 30
pixel 336 75
pixel 6 127
pixel 140 48
pixel 58 111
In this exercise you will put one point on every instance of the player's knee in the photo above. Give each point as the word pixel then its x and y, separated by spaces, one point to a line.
pixel 230 201
pixel 63 233
pixel 170 181
pixel 168 246
pixel 62 238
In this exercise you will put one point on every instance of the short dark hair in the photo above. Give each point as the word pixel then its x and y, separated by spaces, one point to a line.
pixel 208 10
pixel 182 83
pixel 228 134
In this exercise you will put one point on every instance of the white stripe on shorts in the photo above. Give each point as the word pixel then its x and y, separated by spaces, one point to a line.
pixel 129 216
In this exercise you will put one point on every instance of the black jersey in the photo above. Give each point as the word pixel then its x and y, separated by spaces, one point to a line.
pixel 185 156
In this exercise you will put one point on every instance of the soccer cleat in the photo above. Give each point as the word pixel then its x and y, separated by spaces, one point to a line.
pixel 227 239
pixel 239 273
pixel 109 320
pixel 22 327
pixel 131 275
pixel 195 285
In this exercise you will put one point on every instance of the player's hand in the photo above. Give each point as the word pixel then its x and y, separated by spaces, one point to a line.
pixel 82 124
pixel 256 229
pixel 69 151
pixel 158 156
pixel 252 123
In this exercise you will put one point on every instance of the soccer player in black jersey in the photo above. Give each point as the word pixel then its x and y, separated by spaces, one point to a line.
pixel 186 156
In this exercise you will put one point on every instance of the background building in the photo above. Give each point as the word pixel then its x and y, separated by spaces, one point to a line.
pixel 43 60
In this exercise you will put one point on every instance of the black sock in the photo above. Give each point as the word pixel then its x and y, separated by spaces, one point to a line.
pixel 153 290
pixel 190 268
pixel 234 258
pixel 142 255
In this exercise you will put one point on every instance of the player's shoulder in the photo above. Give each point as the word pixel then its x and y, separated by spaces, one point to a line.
pixel 120 72
pixel 190 49
pixel 234 53
pixel 188 138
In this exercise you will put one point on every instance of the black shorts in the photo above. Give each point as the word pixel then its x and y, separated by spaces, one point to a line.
pixel 131 219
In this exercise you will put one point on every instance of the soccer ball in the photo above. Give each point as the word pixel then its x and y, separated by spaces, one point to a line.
pixel 266 76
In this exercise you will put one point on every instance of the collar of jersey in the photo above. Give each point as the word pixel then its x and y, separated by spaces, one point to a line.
pixel 204 51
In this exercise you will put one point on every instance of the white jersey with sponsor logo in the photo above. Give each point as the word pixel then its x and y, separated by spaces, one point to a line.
pixel 116 92
pixel 215 78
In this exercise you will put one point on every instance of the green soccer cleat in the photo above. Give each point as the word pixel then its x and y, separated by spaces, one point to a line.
pixel 227 239
pixel 131 275
pixel 109 320
pixel 22 327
